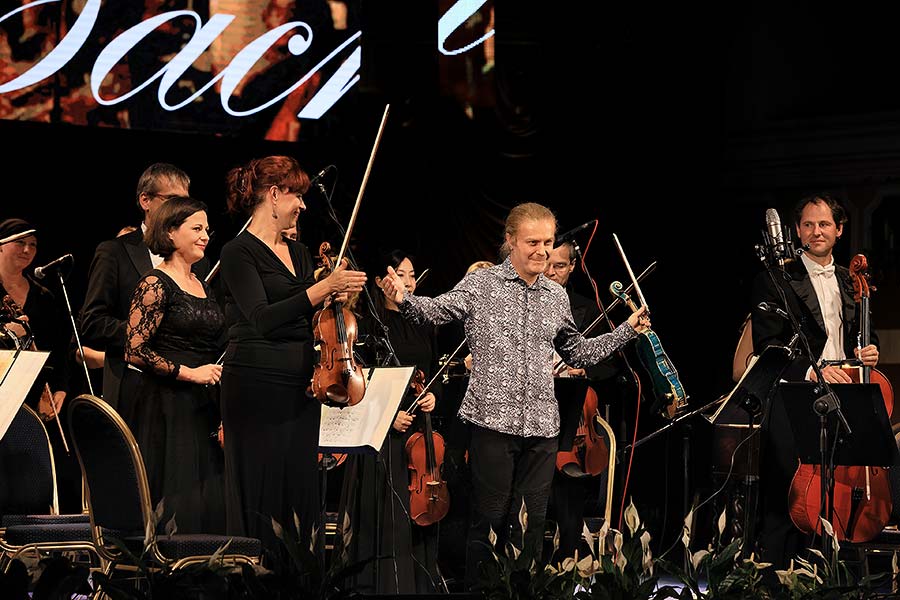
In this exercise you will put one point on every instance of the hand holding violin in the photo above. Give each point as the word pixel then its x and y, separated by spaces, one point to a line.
pixel 427 402
pixel 639 320
pixel 343 281
pixel 402 421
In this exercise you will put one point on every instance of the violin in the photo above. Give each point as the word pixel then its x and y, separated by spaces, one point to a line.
pixel 429 498
pixel 589 455
pixel 338 379
pixel 861 504
pixel 667 388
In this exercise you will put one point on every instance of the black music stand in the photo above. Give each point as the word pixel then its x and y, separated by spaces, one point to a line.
pixel 871 442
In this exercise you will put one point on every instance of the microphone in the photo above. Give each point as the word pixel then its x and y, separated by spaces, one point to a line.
pixel 775 239
pixel 768 307
pixel 567 236
pixel 41 272
pixel 316 181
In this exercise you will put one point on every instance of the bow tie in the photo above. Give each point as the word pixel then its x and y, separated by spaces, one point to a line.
pixel 823 271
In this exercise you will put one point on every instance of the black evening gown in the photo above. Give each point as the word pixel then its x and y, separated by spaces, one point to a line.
pixel 271 424
pixel 375 493
pixel 173 420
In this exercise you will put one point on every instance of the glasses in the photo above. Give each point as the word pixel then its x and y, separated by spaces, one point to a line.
pixel 164 197
pixel 560 266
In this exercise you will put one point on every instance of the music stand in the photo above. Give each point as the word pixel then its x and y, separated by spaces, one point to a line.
pixel 18 371
pixel 871 444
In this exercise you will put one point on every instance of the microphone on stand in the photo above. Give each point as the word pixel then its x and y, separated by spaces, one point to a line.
pixel 569 235
pixel 41 272
pixel 775 236
pixel 317 179
pixel 771 308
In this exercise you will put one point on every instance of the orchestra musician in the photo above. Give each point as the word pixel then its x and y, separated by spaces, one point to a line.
pixel 569 495
pixel 48 329
pixel 114 272
pixel 509 401
pixel 270 422
pixel 820 294
pixel 174 336
pixel 375 493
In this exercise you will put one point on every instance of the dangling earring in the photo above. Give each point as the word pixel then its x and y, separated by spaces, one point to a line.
pixel 274 214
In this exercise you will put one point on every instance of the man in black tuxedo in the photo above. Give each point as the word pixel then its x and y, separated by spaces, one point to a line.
pixel 117 266
pixel 820 295
pixel 569 492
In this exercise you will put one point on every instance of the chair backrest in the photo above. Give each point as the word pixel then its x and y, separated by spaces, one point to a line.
pixel 26 467
pixel 118 496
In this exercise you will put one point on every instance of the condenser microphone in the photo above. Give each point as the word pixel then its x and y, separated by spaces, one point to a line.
pixel 51 266
pixel 570 234
pixel 771 308
pixel 775 238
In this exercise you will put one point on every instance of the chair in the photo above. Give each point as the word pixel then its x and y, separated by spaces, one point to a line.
pixel 30 512
pixel 119 504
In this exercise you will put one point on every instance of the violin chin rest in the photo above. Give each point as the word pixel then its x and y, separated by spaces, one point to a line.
pixel 337 394
pixel 572 470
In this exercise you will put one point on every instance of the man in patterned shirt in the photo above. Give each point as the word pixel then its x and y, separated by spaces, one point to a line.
pixel 514 318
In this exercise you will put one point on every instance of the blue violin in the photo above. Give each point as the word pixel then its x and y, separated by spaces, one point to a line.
pixel 667 389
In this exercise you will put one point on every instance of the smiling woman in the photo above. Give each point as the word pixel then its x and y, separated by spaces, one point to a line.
pixel 175 327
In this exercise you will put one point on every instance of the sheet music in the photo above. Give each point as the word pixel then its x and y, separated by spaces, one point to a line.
pixel 17 375
pixel 363 427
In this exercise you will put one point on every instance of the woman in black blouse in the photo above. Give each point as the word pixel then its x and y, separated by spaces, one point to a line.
pixel 271 424
pixel 375 493
pixel 50 330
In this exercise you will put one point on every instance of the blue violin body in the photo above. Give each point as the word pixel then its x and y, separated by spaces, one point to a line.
pixel 667 389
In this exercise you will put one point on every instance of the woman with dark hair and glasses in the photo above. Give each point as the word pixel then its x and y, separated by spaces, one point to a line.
pixel 174 336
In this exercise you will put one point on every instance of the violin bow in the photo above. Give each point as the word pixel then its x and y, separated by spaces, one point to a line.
pixel 415 403
pixel 362 187
pixel 557 367
pixel 634 281
pixel 215 269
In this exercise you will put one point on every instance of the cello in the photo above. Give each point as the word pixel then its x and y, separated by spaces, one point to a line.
pixel 861 504
pixel 429 498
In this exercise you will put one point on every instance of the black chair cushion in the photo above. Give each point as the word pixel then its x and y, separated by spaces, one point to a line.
pixel 12 520
pixel 20 535
pixel 26 473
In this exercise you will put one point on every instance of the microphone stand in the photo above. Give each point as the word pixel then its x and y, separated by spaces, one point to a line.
pixel 87 377
pixel 825 403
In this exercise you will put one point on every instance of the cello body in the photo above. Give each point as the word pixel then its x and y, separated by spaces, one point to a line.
pixel 589 455
pixel 861 502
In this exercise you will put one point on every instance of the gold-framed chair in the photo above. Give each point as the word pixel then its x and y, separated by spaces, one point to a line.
pixel 30 520
pixel 122 519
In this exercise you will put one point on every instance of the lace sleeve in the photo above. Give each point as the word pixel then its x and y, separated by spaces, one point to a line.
pixel 144 316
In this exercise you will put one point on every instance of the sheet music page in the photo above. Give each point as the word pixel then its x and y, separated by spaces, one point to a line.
pixel 17 375
pixel 365 425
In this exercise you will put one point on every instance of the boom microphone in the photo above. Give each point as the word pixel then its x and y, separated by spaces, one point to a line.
pixel 41 272
pixel 569 235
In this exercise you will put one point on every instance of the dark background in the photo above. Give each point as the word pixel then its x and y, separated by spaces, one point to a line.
pixel 675 127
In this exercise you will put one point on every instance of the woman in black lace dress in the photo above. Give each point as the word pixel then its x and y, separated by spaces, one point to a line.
pixel 175 328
